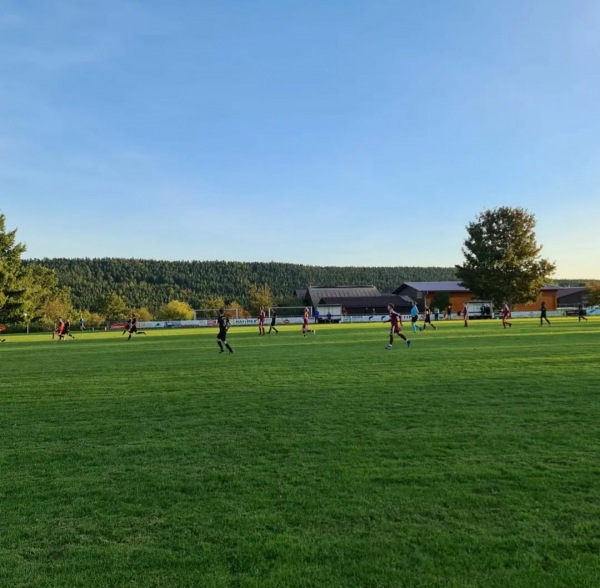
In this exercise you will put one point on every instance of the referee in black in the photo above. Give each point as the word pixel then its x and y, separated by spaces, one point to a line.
pixel 224 325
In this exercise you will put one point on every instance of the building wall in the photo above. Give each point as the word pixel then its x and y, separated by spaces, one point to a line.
pixel 547 296
pixel 457 300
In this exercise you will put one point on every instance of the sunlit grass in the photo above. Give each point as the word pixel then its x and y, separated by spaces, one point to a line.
pixel 469 459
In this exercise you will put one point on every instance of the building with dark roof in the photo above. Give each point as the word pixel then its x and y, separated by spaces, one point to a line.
pixel 570 297
pixel 354 300
pixel 424 292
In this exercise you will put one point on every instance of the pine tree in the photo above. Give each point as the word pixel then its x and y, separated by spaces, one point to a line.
pixel 12 275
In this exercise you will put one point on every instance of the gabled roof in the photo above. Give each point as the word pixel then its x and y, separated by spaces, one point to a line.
pixel 369 302
pixel 317 293
pixel 342 291
pixel 449 287
pixel 562 292
pixel 433 287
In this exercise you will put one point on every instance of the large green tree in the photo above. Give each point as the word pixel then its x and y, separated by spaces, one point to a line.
pixel 594 293
pixel 12 275
pixel 41 287
pixel 259 296
pixel 502 257
pixel 115 307
pixel 176 310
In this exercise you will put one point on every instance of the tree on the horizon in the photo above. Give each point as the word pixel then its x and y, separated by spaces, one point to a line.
pixel 12 275
pixel 593 293
pixel 260 296
pixel 115 307
pixel 502 257
pixel 175 310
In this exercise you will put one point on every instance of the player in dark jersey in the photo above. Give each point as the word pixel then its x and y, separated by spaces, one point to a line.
pixel 396 322
pixel 224 325
pixel 427 319
pixel 133 328
pixel 543 315
pixel 272 327
pixel 581 313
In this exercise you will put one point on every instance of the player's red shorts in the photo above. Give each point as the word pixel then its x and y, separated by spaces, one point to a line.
pixel 395 329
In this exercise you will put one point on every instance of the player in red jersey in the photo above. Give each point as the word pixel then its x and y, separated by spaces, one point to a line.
pixel 261 321
pixel 305 322
pixel 396 322
pixel 506 314
pixel 59 329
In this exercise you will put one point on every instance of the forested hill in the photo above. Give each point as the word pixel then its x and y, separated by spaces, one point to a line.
pixel 150 283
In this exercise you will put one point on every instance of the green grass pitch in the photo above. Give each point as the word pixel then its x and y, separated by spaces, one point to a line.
pixel 470 459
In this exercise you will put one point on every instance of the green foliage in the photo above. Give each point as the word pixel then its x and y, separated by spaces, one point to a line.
pixel 143 314
pixel 94 320
pixel 56 306
pixel 13 279
pixel 41 288
pixel 209 306
pixel 259 296
pixel 502 259
pixel 176 310
pixel 593 293
pixel 153 283
pixel 236 310
pixel 115 307
pixel 441 300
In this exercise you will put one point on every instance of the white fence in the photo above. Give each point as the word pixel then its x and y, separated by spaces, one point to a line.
pixel 297 320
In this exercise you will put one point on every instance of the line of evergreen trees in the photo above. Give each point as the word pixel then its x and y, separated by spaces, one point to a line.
pixel 151 283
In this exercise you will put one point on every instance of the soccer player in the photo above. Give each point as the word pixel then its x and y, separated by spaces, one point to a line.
pixel 133 328
pixel 59 329
pixel 581 313
pixel 2 329
pixel 506 314
pixel 465 314
pixel 396 322
pixel 305 322
pixel 66 330
pixel 272 327
pixel 543 316
pixel 427 319
pixel 261 321
pixel 414 317
pixel 128 327
pixel 224 325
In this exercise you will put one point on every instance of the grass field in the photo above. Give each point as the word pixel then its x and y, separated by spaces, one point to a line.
pixel 470 459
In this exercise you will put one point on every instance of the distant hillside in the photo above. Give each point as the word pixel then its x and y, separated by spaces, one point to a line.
pixel 151 283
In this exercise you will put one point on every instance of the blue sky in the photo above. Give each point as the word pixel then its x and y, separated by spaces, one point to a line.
pixel 337 132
